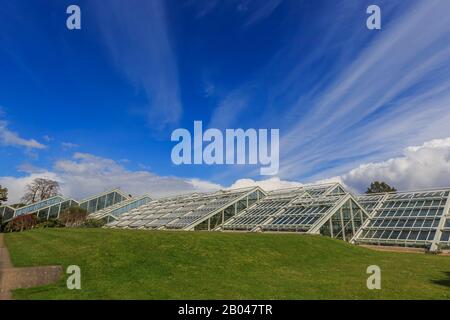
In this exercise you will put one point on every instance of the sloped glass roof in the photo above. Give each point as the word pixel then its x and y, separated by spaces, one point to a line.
pixel 303 209
pixel 263 210
pixel 51 208
pixel 370 201
pixel 182 212
pixel 302 216
pixel 407 219
pixel 38 205
pixel 120 208
pixel 104 200
pixel 345 222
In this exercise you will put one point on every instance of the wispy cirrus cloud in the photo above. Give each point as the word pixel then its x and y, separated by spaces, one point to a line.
pixel 252 11
pixel 137 36
pixel 395 93
pixel 265 9
pixel 352 95
pixel 230 108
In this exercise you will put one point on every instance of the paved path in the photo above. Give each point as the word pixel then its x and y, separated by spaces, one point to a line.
pixel 14 278
pixel 5 264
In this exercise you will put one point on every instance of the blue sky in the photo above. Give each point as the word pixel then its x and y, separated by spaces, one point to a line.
pixel 104 100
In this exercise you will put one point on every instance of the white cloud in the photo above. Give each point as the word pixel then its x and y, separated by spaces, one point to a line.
pixel 30 168
pixel 16 185
pixel 330 180
pixel 425 166
pixel 87 174
pixel 12 139
pixel 268 184
pixel 203 185
pixel 420 167
pixel 96 174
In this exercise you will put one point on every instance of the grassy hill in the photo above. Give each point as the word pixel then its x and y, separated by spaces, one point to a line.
pixel 121 264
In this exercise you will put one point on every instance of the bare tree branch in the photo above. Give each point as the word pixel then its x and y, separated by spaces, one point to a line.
pixel 40 189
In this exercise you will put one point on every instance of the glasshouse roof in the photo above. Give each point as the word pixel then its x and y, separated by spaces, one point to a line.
pixel 415 218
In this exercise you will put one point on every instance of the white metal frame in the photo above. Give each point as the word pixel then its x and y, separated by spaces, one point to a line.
pixel 433 244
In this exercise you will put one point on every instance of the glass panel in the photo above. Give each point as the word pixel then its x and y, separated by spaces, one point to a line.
pixel 92 205
pixel 445 236
pixel 54 211
pixel 8 214
pixel 84 205
pixel 101 203
pixel 117 198
pixel 110 199
pixel 65 205
pixel 43 214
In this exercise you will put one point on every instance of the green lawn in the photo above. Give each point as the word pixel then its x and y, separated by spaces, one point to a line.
pixel 120 264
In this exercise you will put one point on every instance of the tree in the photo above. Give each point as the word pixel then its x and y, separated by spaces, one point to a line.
pixel 380 187
pixel 3 195
pixel 73 216
pixel 40 189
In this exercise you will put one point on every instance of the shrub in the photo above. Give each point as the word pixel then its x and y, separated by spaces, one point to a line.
pixel 21 223
pixel 73 217
pixel 92 223
pixel 50 224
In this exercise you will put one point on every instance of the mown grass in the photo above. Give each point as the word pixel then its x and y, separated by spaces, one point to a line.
pixel 121 264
